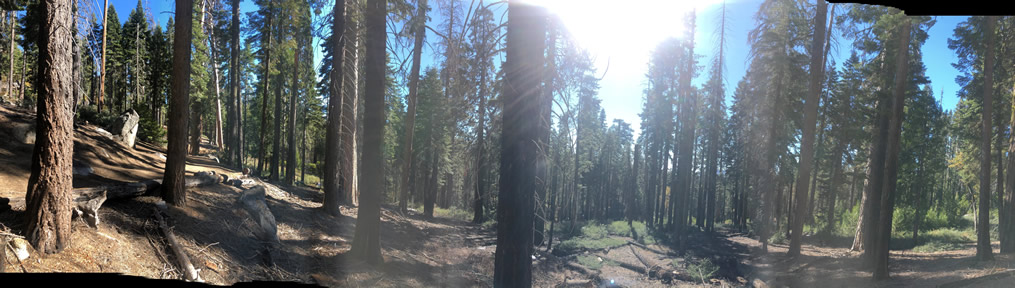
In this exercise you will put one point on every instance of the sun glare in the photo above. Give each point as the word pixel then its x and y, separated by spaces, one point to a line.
pixel 607 27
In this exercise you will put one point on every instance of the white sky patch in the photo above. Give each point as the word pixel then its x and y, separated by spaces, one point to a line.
pixel 621 36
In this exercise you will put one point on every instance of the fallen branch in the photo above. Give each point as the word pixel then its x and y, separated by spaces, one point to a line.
pixel 190 273
pixel 653 250
pixel 643 262
pixel 626 265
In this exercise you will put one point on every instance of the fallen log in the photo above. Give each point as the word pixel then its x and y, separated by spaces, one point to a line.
pixel 87 201
pixel 653 250
pixel 648 267
pixel 626 265
pixel 253 201
pixel 189 272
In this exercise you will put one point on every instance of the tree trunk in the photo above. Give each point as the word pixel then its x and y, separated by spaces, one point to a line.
pixel 350 112
pixel 47 200
pixel 234 74
pixel 872 193
pixel 807 142
pixel 102 72
pixel 526 30
pixel 276 145
pixel 173 191
pixel 884 228
pixel 215 78
pixel 290 164
pixel 983 249
pixel 10 55
pixel 686 145
pixel 366 243
pixel 332 155
pixel 543 160
pixel 419 26
pixel 261 146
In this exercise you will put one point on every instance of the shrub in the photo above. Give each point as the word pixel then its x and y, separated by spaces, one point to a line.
pixel 936 246
pixel 702 270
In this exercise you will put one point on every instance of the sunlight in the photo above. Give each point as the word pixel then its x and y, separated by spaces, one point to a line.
pixel 606 27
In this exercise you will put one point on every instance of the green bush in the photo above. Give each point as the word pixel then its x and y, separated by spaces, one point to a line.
pixel 702 270
pixel 594 231
pixel 936 246
pixel 619 228
pixel 150 131
pixel 778 238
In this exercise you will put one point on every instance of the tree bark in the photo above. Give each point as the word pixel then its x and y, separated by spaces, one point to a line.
pixel 102 72
pixel 807 142
pixel 215 78
pixel 686 145
pixel 892 154
pixel 366 243
pixel 333 136
pixel 350 113
pixel 983 249
pixel 47 199
pixel 290 164
pixel 526 30
pixel 197 111
pixel 266 47
pixel 173 191
pixel 236 114
pixel 419 26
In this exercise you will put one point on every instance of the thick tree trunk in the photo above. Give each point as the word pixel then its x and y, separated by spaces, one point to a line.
pixel 891 170
pixel 350 112
pixel 807 142
pixel 983 249
pixel 173 191
pixel 526 30
pixel 366 243
pixel 47 199
pixel 333 135
pixel 686 145
pixel 419 26
pixel 872 192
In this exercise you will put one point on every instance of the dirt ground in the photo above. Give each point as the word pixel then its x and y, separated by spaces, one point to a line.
pixel 218 236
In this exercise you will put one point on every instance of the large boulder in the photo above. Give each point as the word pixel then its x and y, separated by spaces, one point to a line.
pixel 124 128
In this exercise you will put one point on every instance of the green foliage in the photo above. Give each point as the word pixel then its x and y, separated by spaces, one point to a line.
pixel 620 228
pixel 593 262
pixel 151 131
pixel 937 246
pixel 593 236
pixel 778 238
pixel 702 269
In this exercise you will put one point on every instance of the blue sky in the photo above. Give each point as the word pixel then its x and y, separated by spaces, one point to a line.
pixel 600 23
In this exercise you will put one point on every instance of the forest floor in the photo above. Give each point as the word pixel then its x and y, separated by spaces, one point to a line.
pixel 218 236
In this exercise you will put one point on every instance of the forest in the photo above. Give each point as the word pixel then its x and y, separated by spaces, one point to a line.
pixel 472 143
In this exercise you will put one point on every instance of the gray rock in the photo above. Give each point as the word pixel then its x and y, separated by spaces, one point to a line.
pixel 124 128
